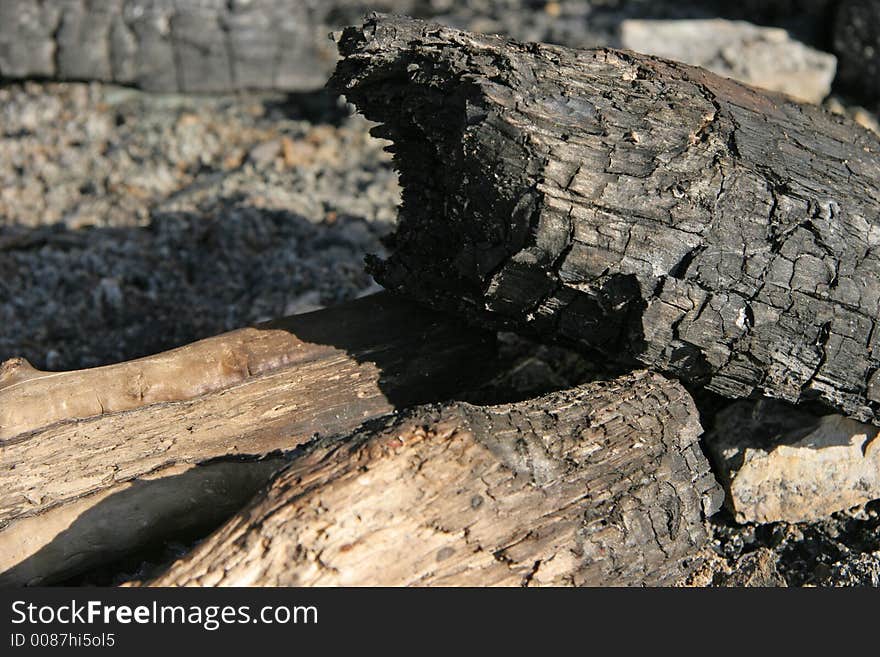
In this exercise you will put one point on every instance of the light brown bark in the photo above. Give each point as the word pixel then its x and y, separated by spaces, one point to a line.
pixel 97 463
pixel 604 484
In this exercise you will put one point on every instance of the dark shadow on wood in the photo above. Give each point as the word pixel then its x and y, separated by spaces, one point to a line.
pixel 186 506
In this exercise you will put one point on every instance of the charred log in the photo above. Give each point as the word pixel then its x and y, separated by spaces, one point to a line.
pixel 630 206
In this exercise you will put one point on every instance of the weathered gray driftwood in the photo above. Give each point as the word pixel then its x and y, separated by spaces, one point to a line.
pixel 603 484
pixel 99 463
pixel 631 206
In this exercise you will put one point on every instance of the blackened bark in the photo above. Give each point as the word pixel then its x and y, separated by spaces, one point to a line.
pixel 631 206
pixel 603 484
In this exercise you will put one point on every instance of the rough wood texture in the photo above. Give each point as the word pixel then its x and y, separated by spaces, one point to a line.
pixel 188 446
pixel 857 44
pixel 599 485
pixel 167 45
pixel 631 206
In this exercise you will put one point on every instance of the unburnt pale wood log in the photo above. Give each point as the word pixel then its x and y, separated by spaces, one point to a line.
pixel 631 206
pixel 97 463
pixel 599 485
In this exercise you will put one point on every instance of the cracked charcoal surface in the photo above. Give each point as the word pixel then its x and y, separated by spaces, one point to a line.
pixel 635 206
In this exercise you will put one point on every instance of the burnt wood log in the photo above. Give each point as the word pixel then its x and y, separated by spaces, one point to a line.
pixel 857 45
pixel 630 206
pixel 99 463
pixel 166 45
pixel 599 485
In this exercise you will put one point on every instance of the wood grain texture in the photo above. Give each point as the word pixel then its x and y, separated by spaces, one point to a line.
pixel 80 490
pixel 630 206
pixel 599 485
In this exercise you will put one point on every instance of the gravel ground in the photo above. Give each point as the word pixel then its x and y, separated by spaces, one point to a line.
pixel 131 223
pixel 843 550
